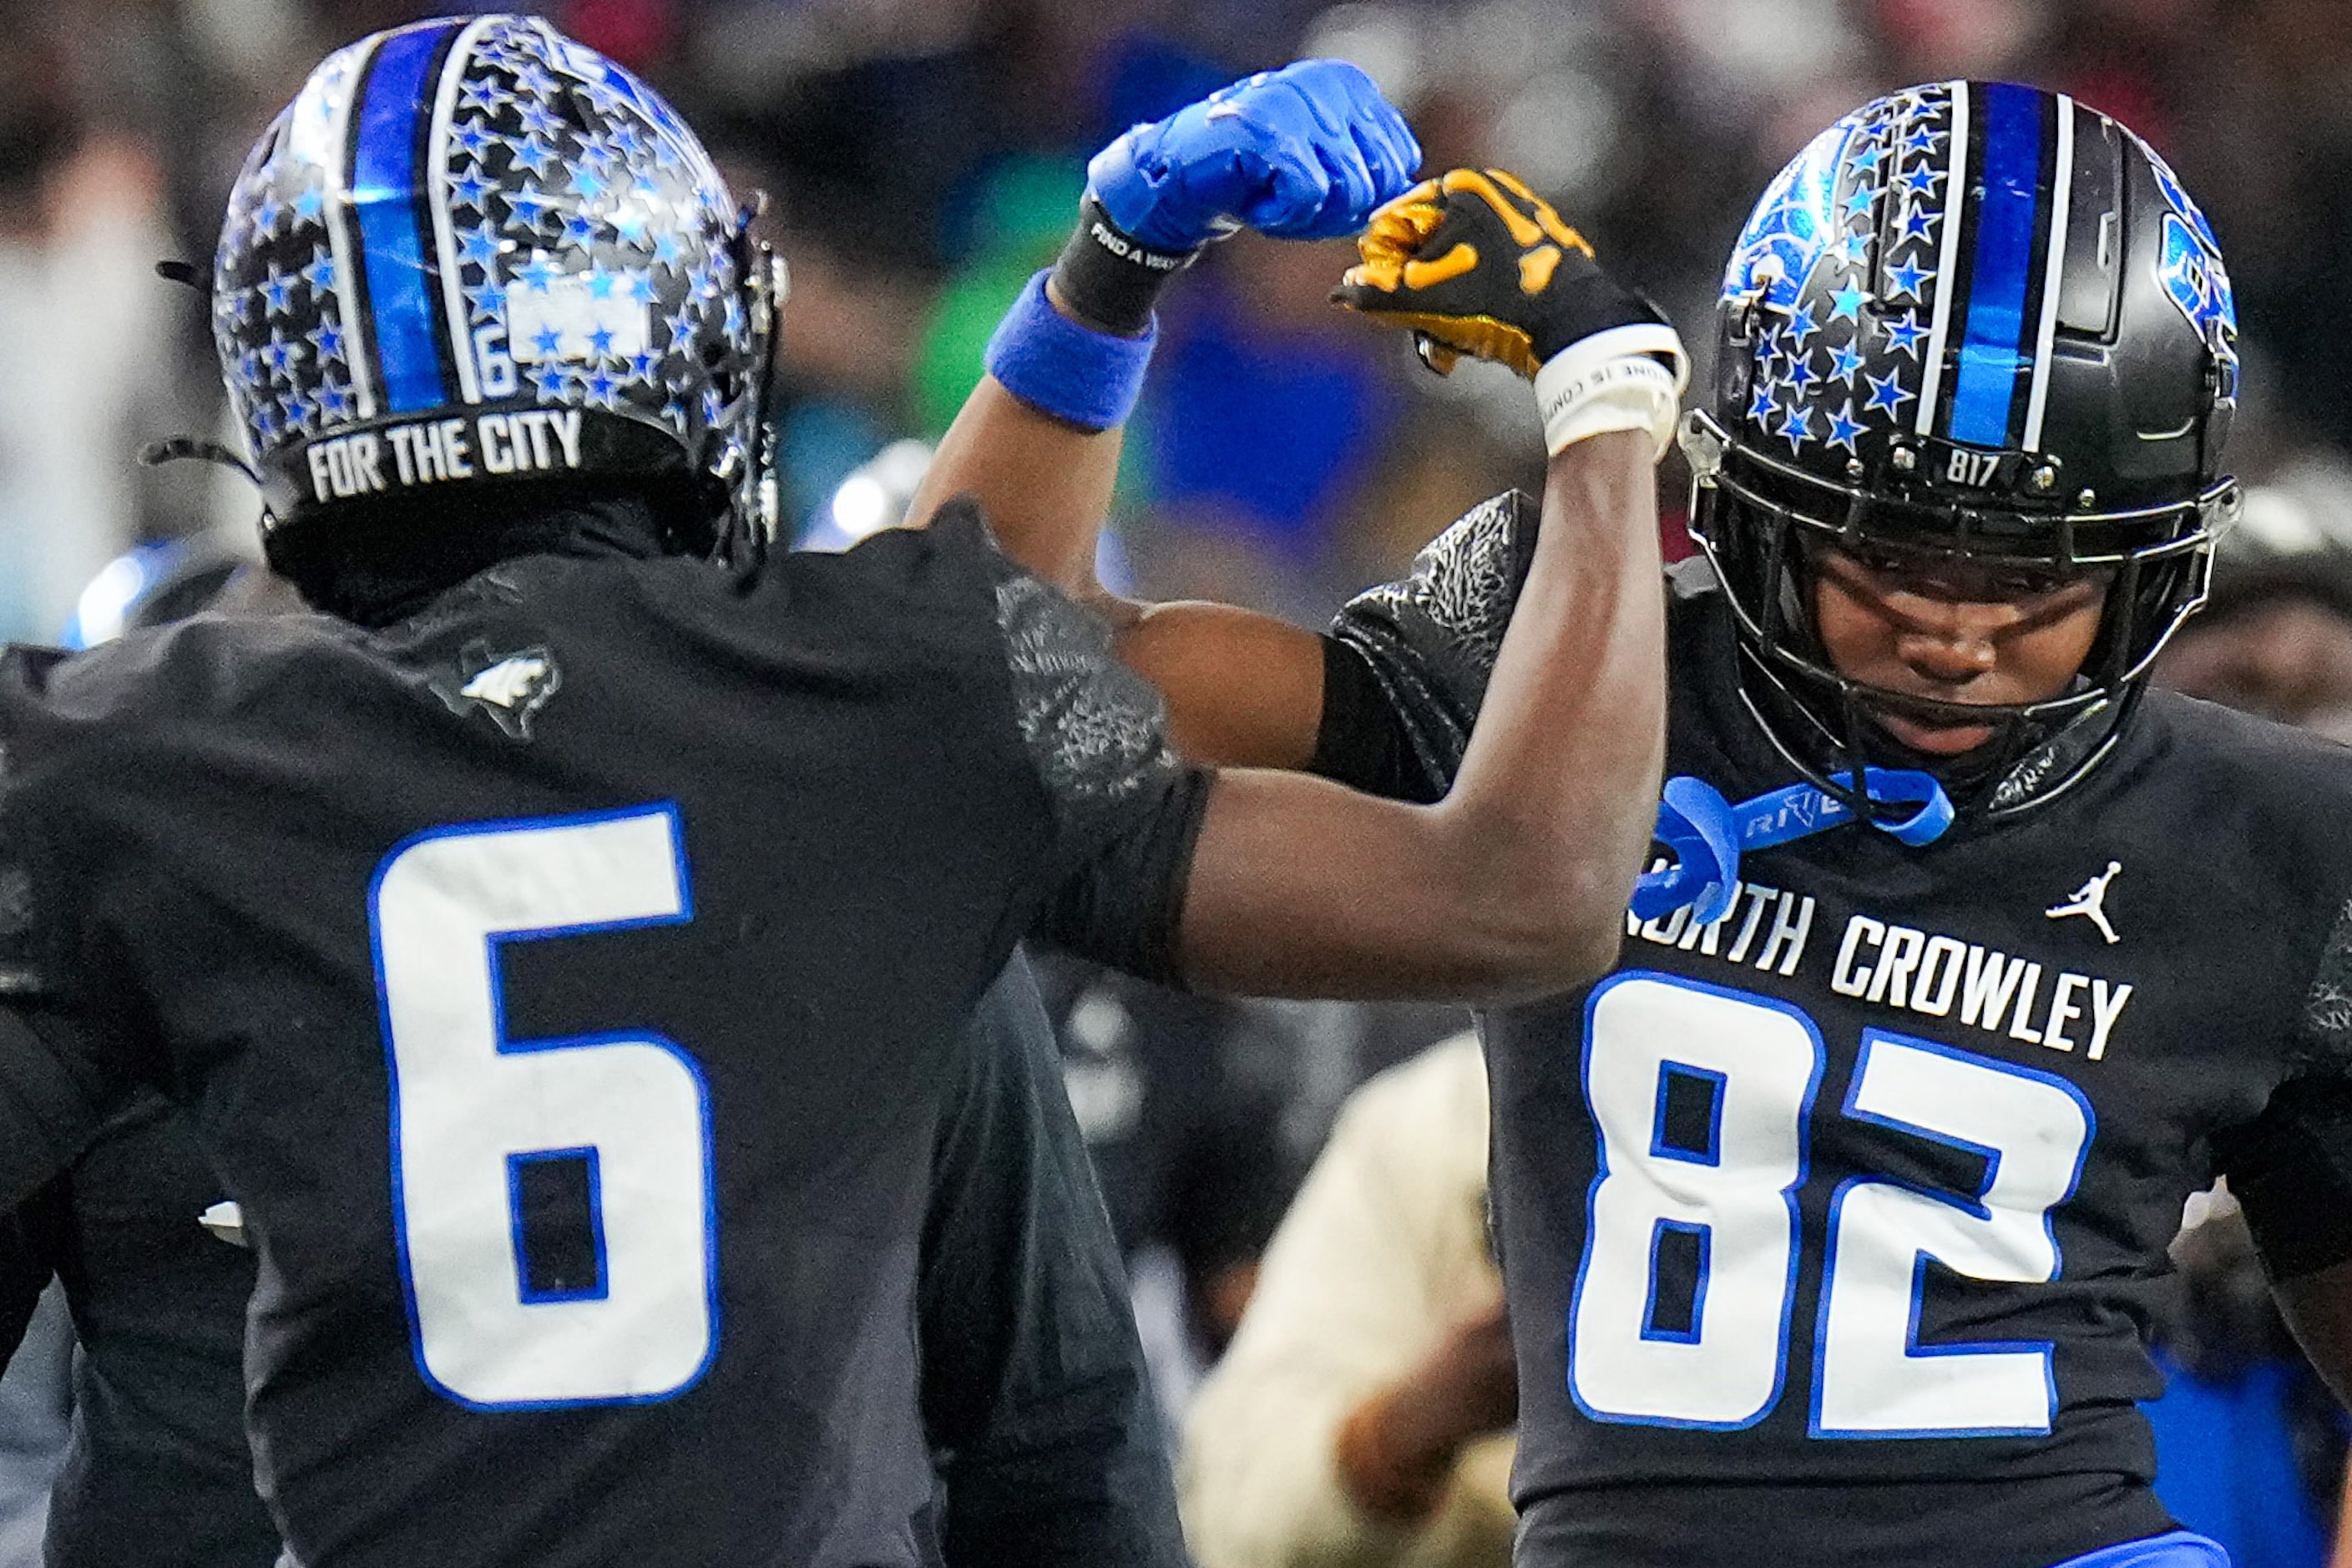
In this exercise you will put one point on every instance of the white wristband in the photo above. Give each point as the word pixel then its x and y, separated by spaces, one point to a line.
pixel 1614 380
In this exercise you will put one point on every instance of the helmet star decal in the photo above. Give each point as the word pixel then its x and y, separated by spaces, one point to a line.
pixel 477 219
pixel 1924 331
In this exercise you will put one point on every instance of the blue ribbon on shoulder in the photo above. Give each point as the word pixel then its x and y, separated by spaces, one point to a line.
pixel 1708 833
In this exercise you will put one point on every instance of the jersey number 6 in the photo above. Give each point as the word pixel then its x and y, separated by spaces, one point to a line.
pixel 1702 1098
pixel 478 1118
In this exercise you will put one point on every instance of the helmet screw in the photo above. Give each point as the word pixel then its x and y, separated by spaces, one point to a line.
pixel 2045 478
pixel 1853 469
pixel 1905 459
pixel 2087 499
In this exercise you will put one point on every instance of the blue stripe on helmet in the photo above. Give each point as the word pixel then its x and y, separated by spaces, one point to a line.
pixel 2007 217
pixel 395 104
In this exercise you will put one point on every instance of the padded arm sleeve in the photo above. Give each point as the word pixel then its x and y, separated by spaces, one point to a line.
pixel 1428 641
pixel 1362 741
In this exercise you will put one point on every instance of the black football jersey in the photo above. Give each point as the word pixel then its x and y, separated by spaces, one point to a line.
pixel 1832 1228
pixel 566 984
pixel 157 1469
pixel 1036 1399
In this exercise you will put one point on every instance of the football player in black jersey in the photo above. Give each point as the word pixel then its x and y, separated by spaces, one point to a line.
pixel 560 940
pixel 1035 1396
pixel 1831 1219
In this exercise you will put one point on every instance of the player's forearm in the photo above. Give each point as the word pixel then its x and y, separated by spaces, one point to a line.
pixel 1044 485
pixel 1515 885
pixel 1552 809
pixel 2318 1308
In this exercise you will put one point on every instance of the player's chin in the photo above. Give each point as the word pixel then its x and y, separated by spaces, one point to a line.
pixel 1934 740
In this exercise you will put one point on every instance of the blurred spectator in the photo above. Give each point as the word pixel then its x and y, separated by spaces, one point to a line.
pixel 1265 410
pixel 1358 1418
pixel 1200 1115
pixel 2250 1445
pixel 2276 637
pixel 84 344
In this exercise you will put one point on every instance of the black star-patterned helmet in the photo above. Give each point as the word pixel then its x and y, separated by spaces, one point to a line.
pixel 1970 320
pixel 472 251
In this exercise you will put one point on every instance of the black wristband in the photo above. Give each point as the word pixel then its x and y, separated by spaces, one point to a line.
pixel 1107 279
pixel 1582 306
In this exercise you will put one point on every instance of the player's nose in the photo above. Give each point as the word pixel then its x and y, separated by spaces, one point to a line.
pixel 1951 648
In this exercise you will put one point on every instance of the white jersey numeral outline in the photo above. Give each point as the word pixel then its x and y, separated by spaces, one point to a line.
pixel 1871 1378
pixel 470 1108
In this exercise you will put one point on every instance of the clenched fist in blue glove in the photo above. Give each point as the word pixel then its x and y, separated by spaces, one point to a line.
pixel 1303 153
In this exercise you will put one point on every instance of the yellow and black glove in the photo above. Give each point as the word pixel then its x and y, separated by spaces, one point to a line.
pixel 1475 263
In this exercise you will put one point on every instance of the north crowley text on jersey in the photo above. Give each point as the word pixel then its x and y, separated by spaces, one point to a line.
pixel 1887 965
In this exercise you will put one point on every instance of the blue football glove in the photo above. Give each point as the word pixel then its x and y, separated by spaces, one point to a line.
pixel 1303 153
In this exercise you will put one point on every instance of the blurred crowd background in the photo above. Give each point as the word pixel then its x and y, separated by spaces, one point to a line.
pixel 923 157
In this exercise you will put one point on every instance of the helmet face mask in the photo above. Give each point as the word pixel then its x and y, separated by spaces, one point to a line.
pixel 472 251
pixel 1974 326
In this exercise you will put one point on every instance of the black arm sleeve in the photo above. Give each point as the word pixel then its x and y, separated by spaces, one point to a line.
pixel 2291 1167
pixel 1361 740
pixel 2291 1170
pixel 1034 1391
pixel 1123 904
pixel 1397 719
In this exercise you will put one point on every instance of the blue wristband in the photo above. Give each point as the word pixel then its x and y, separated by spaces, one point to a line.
pixel 1087 378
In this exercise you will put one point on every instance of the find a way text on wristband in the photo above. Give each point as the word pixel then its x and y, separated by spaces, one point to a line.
pixel 1108 278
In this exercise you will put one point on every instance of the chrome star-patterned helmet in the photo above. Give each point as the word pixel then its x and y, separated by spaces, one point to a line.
pixel 472 251
pixel 1971 321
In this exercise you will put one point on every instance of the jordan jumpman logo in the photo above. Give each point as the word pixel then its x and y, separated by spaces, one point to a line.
pixel 2090 899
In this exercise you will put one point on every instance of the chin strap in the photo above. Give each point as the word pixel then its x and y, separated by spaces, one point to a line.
pixel 1708 833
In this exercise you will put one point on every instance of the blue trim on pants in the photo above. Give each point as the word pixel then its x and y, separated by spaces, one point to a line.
pixel 2181 1549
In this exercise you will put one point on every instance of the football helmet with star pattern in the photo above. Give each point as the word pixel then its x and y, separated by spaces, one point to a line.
pixel 473 251
pixel 1971 321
